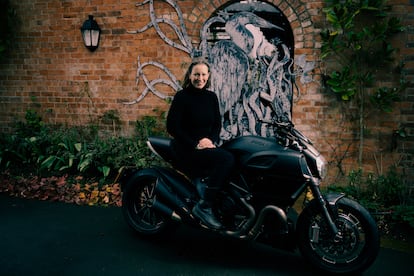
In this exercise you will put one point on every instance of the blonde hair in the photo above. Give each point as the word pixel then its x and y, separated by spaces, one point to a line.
pixel 195 62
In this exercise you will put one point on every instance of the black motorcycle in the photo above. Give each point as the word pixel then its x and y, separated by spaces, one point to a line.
pixel 334 233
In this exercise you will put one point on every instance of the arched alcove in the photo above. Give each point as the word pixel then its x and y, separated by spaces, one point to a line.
pixel 250 46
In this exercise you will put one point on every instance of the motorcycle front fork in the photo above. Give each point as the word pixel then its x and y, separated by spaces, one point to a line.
pixel 316 193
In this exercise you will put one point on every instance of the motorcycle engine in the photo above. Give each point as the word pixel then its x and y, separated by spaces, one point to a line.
pixel 227 206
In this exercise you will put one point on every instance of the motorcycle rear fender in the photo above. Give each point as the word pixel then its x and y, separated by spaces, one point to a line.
pixel 124 175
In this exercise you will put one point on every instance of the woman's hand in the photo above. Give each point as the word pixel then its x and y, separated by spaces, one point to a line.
pixel 205 143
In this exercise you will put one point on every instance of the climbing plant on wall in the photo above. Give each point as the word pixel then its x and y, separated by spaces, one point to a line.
pixel 358 39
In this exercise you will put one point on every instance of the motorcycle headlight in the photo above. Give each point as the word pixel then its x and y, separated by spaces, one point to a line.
pixel 321 166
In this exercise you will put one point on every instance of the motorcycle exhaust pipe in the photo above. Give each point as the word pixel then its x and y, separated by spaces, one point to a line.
pixel 255 231
pixel 177 184
pixel 172 199
pixel 164 209
pixel 247 225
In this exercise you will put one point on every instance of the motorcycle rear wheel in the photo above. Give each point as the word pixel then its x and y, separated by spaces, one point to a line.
pixel 137 199
pixel 354 253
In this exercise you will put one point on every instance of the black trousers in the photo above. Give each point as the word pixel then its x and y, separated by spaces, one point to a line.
pixel 217 163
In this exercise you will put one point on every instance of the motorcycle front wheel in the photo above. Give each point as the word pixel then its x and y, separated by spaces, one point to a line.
pixel 137 205
pixel 354 252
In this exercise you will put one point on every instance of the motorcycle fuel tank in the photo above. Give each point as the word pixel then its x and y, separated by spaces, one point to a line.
pixel 254 152
pixel 268 166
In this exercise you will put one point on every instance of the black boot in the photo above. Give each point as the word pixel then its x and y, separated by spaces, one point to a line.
pixel 204 212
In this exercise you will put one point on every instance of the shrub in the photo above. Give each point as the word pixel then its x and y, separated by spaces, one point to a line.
pixel 386 196
pixel 44 150
pixel 375 191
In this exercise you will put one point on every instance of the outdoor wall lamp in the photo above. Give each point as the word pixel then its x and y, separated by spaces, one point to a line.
pixel 90 34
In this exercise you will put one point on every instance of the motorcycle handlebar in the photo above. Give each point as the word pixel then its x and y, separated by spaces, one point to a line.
pixel 277 123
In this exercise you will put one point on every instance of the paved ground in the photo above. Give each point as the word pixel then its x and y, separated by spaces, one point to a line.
pixel 46 238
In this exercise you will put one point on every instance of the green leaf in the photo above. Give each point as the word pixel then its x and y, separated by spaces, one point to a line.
pixel 63 145
pixel 78 146
pixel 70 163
pixel 84 164
pixel 105 170
pixel 48 162
pixel 402 133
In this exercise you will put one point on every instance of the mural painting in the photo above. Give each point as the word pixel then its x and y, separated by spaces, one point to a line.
pixel 249 45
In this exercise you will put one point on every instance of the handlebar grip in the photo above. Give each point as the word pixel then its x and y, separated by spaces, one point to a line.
pixel 277 123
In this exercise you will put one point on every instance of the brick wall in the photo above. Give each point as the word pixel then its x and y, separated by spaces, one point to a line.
pixel 50 71
pixel 406 116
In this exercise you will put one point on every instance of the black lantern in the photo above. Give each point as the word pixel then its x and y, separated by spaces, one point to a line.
pixel 90 33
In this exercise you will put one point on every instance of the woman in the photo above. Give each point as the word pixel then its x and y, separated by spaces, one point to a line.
pixel 194 121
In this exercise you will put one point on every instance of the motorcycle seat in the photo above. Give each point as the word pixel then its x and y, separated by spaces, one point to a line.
pixel 162 147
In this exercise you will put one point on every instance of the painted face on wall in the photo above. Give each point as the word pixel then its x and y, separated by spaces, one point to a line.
pixel 199 76
pixel 262 47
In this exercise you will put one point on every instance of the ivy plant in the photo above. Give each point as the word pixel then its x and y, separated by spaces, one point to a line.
pixel 357 41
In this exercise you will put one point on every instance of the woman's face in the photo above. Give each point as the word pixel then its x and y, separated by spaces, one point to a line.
pixel 199 76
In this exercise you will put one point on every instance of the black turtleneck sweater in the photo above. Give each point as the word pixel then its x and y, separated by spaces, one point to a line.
pixel 194 114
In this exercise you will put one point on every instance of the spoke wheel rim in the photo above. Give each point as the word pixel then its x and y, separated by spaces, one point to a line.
pixel 140 207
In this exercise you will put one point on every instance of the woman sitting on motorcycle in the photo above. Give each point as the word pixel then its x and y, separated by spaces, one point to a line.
pixel 194 121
